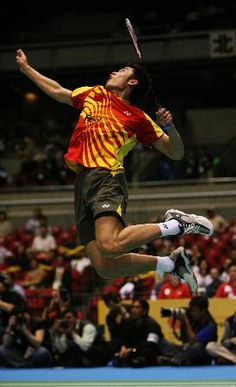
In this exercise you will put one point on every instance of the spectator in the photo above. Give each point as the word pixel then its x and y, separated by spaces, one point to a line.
pixel 44 242
pixel 117 315
pixel 204 163
pixel 173 288
pixel 4 252
pixel 16 287
pixel 190 171
pixel 77 343
pixel 38 219
pixel 228 289
pixel 80 262
pixel 202 275
pixel 196 255
pixel 26 151
pixel 21 257
pixel 6 226
pixel 132 287
pixel 226 351
pixel 10 300
pixel 216 282
pixel 197 327
pixel 22 342
pixel 60 275
pixel 59 303
pixel 224 277
pixel 219 222
pixel 142 339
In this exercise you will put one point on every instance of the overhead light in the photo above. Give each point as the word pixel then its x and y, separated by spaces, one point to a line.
pixel 30 97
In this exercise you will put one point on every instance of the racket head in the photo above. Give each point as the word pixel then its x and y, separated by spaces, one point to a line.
pixel 139 53
pixel 134 38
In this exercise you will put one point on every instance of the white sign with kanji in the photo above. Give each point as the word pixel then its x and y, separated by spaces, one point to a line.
pixel 222 43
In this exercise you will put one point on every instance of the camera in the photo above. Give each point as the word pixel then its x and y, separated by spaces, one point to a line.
pixel 174 312
pixel 20 319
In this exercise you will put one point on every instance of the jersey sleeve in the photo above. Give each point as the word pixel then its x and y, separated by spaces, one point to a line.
pixel 78 95
pixel 148 131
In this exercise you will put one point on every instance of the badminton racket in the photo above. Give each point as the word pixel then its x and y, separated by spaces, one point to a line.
pixel 134 39
pixel 139 53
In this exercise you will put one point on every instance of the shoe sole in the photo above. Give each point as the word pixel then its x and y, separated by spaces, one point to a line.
pixel 196 218
pixel 189 278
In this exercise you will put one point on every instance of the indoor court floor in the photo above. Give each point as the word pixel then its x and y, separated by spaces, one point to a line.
pixel 214 376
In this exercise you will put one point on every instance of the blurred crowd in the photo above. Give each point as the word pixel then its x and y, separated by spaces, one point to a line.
pixel 41 163
pixel 49 296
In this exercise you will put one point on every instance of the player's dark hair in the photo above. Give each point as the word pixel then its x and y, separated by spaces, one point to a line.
pixel 142 89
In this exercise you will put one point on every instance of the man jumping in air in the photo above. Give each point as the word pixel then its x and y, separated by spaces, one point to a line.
pixel 109 125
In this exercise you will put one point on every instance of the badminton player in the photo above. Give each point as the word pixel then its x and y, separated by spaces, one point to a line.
pixel 109 125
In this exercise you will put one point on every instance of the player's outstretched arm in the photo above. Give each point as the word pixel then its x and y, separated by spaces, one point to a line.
pixel 170 143
pixel 47 85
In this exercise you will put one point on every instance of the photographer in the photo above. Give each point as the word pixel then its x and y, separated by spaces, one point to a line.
pixel 142 340
pixel 116 317
pixel 10 301
pixel 59 303
pixel 22 342
pixel 77 343
pixel 197 327
pixel 225 353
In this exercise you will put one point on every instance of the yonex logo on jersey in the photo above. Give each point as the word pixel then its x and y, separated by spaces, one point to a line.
pixel 127 113
pixel 105 205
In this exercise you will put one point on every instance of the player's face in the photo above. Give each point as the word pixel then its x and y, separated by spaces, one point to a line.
pixel 119 79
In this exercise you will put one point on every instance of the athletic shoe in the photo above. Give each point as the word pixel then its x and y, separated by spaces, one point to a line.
pixel 190 223
pixel 183 268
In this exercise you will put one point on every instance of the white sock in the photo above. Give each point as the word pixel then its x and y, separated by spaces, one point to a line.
pixel 164 265
pixel 170 227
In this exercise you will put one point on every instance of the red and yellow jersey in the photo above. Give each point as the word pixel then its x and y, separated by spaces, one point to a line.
pixel 107 129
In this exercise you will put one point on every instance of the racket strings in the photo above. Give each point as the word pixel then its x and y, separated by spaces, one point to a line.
pixel 134 38
pixel 140 56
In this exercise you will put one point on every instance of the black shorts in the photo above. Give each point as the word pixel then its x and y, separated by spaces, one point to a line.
pixel 98 193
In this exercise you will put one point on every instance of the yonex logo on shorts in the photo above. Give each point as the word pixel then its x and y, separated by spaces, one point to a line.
pixel 105 205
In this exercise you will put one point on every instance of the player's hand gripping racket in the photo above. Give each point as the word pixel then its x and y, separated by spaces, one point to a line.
pixel 140 57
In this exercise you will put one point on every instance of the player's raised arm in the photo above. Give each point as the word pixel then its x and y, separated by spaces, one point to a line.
pixel 171 143
pixel 47 85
